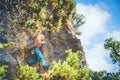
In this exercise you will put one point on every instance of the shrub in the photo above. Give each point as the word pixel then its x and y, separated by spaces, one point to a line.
pixel 5 44
pixel 67 70
pixel 26 72
pixel 2 70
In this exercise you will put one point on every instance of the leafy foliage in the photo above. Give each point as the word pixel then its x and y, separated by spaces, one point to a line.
pixel 5 45
pixel 26 72
pixel 103 75
pixel 78 20
pixel 32 14
pixel 2 70
pixel 67 70
pixel 114 47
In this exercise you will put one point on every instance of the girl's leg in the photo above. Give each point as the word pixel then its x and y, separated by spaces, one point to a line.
pixel 31 61
pixel 40 57
pixel 34 60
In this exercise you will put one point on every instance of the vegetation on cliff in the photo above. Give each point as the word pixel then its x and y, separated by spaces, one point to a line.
pixel 33 14
pixel 3 70
pixel 30 16
pixel 67 70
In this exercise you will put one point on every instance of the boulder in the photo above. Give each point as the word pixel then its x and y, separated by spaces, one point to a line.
pixel 8 60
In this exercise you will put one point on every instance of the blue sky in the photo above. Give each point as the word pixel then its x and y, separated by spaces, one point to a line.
pixel 102 21
pixel 112 6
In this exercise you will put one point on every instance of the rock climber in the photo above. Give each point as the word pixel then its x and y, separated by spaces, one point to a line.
pixel 39 42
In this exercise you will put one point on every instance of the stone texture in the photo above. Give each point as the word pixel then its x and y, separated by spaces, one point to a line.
pixel 10 61
pixel 20 51
pixel 57 43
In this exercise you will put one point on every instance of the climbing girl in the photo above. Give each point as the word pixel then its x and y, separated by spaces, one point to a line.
pixel 39 42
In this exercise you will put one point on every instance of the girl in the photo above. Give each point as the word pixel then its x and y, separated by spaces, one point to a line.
pixel 39 42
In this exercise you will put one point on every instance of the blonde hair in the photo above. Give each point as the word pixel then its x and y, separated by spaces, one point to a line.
pixel 40 36
pixel 39 39
pixel 41 29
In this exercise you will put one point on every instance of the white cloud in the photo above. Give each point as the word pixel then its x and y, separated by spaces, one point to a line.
pixel 114 34
pixel 96 58
pixel 96 21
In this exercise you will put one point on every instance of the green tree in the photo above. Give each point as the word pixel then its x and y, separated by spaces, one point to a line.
pixel 114 47
pixel 78 20
pixel 103 75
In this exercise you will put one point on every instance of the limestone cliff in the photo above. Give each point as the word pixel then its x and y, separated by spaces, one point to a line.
pixel 20 51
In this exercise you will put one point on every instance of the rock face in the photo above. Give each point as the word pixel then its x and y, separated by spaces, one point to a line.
pixel 9 60
pixel 20 51
pixel 57 43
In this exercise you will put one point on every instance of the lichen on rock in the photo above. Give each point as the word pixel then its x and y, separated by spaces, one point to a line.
pixel 20 51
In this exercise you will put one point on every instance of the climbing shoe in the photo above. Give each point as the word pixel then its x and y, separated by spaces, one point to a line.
pixel 45 67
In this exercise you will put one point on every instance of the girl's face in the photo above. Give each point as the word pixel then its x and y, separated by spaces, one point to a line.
pixel 42 38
